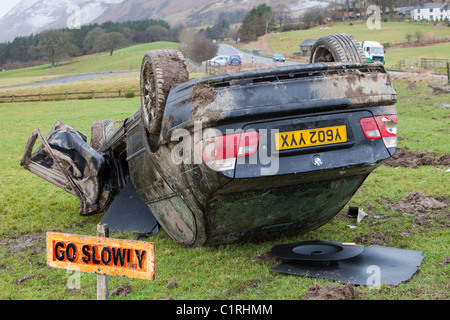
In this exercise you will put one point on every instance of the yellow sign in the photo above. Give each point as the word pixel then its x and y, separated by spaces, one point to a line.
pixel 134 259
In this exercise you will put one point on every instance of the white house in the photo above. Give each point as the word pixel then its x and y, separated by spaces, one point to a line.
pixel 433 11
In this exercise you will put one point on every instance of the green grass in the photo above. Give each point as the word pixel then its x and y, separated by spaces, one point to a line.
pixel 127 59
pixel 390 32
pixel 29 207
pixel 414 54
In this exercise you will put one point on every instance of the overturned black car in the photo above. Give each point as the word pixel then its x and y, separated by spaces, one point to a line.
pixel 234 157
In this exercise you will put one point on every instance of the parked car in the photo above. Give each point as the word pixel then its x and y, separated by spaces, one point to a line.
pixel 278 58
pixel 242 156
pixel 234 60
pixel 219 60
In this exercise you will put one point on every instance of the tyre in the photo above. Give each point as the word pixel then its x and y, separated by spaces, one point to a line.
pixel 101 132
pixel 160 71
pixel 340 47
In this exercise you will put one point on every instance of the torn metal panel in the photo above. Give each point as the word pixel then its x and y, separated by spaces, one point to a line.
pixel 66 159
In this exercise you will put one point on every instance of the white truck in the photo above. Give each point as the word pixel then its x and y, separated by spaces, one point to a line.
pixel 373 50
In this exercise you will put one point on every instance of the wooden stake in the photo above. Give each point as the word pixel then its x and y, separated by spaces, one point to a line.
pixel 102 279
pixel 448 72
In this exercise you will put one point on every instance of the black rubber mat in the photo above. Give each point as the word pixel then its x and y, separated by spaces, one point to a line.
pixel 128 213
pixel 376 265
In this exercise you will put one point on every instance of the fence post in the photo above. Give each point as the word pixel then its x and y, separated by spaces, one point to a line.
pixel 120 93
pixel 93 94
pixel 102 279
pixel 12 98
pixel 448 72
pixel 66 95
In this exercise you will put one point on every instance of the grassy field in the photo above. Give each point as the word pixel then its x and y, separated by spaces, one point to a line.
pixel 127 59
pixel 124 82
pixel 391 33
pixel 29 207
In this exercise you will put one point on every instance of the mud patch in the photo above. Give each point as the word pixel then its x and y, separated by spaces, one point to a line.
pixel 23 279
pixel 171 284
pixel 442 105
pixel 201 96
pixel 417 203
pixel 444 261
pixel 438 88
pixel 121 291
pixel 375 238
pixel 411 86
pixel 330 292
pixel 173 67
pixel 267 257
pixel 34 241
pixel 406 158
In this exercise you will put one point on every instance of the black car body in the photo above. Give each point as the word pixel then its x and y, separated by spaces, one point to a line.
pixel 252 154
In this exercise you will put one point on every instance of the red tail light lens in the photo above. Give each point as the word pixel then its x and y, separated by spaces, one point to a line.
pixel 370 128
pixel 248 144
pixel 388 129
pixel 220 153
pixel 381 127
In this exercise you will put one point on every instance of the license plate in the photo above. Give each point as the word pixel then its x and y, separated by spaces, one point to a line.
pixel 310 137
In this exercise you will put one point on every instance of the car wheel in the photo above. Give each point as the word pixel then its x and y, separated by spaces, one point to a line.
pixel 101 132
pixel 339 47
pixel 160 71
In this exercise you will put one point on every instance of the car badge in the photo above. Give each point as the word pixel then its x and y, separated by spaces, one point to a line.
pixel 317 161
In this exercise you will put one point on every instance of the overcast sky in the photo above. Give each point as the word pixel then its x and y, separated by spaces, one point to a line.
pixel 6 5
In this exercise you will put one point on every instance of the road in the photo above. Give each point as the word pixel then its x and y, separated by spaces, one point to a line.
pixel 228 50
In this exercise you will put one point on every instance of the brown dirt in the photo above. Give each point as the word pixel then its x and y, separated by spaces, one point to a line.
pixel 375 238
pixel 121 291
pixel 34 241
pixel 330 292
pixel 174 69
pixel 419 75
pixel 171 284
pixel 439 88
pixel 417 203
pixel 267 256
pixel 445 261
pixel 442 106
pixel 406 158
pixel 23 279
pixel 201 96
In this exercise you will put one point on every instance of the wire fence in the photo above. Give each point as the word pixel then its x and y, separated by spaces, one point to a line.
pixel 69 96
pixel 434 64
pixel 438 66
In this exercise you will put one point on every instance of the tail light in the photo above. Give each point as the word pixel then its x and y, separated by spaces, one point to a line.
pixel 220 153
pixel 384 127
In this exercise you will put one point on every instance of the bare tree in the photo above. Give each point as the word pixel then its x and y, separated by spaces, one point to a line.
pixel 268 17
pixel 109 42
pixel 196 47
pixel 281 13
pixel 314 16
pixel 53 44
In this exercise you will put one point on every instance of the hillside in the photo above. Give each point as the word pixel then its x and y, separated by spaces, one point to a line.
pixel 34 16
pixel 126 59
